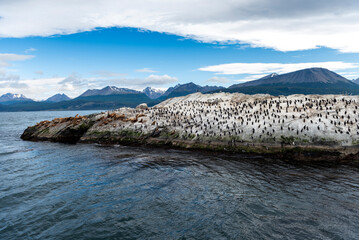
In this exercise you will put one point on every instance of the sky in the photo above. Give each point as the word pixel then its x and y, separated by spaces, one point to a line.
pixel 49 47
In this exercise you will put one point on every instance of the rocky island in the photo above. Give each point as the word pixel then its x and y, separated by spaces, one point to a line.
pixel 304 127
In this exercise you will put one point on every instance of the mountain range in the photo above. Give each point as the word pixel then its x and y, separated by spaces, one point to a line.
pixel 109 90
pixel 306 81
pixel 112 90
pixel 187 88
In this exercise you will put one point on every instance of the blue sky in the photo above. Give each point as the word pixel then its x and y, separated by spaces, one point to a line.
pixel 57 57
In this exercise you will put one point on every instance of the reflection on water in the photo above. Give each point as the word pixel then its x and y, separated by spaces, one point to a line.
pixel 60 191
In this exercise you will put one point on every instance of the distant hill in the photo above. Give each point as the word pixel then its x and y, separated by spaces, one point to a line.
pixel 110 101
pixel 100 102
pixel 310 75
pixel 182 90
pixel 306 81
pixel 153 93
pixel 188 88
pixel 58 98
pixel 109 90
pixel 356 81
pixel 10 98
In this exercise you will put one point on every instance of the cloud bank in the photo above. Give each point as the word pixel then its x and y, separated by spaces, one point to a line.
pixel 75 80
pixel 10 80
pixel 278 24
pixel 266 68
pixel 146 70
pixel 216 79
pixel 6 58
pixel 74 84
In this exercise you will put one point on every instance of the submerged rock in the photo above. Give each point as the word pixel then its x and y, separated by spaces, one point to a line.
pixel 301 126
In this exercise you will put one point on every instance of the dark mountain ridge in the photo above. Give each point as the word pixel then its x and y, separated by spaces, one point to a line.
pixel 100 102
pixel 310 75
pixel 188 88
pixel 306 81
pixel 109 90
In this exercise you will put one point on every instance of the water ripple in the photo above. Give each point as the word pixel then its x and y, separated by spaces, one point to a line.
pixel 59 191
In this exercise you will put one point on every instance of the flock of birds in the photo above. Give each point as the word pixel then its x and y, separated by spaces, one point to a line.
pixel 250 118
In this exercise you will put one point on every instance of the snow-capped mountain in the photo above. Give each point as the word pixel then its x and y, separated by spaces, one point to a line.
pixel 58 98
pixel 356 81
pixel 109 90
pixel 153 92
pixel 10 97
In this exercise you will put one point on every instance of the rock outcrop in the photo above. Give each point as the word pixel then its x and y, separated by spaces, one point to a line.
pixel 304 127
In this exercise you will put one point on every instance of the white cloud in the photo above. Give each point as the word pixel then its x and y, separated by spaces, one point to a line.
pixel 109 74
pixel 9 77
pixel 33 88
pixel 266 68
pixel 216 79
pixel 30 50
pixel 6 58
pixel 11 82
pixel 279 24
pixel 251 78
pixel 95 82
pixel 75 80
pixel 159 80
pixel 139 83
pixel 74 84
pixel 350 75
pixel 146 70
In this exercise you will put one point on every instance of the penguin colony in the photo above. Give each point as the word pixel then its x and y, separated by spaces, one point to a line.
pixel 244 118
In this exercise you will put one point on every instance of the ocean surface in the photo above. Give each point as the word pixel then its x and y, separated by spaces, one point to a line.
pixel 61 191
